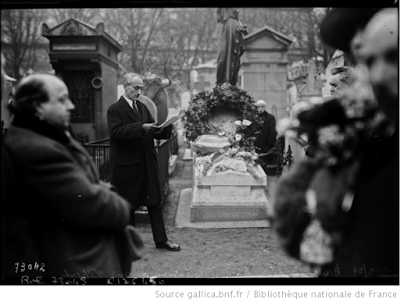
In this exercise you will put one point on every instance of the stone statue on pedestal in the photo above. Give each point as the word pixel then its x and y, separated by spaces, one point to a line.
pixel 231 45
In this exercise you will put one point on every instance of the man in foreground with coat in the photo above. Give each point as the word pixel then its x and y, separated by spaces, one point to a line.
pixel 371 243
pixel 134 160
pixel 58 218
pixel 346 221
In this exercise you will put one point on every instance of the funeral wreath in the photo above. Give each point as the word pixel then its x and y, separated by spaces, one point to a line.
pixel 220 147
pixel 228 96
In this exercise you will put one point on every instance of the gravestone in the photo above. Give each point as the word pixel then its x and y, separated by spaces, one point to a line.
pixel 230 195
pixel 157 94
pixel 312 88
pixel 314 83
pixel 201 84
pixel 263 70
pixel 150 105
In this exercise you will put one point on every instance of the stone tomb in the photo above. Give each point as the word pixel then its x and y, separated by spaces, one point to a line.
pixel 229 195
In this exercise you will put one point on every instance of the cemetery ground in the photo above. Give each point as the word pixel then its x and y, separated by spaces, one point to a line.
pixel 211 252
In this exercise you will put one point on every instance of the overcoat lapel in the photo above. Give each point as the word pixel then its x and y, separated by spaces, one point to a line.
pixel 142 111
pixel 129 111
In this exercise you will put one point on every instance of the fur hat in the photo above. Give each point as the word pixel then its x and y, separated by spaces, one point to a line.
pixel 341 24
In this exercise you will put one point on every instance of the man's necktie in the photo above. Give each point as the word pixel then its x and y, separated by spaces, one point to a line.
pixel 135 107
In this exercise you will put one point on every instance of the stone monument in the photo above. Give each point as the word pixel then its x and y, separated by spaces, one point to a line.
pixel 86 58
pixel 223 187
pixel 264 68
pixel 228 186
pixel 228 195
pixel 314 84
pixel 312 88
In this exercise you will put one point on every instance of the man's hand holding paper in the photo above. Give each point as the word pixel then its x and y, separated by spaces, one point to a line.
pixel 171 120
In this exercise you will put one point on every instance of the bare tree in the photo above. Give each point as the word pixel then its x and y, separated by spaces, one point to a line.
pixel 300 23
pixel 87 15
pixel 196 32
pixel 136 29
pixel 20 39
pixel 169 61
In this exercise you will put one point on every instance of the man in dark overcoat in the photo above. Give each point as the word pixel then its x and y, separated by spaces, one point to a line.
pixel 134 160
pixel 370 247
pixel 265 142
pixel 58 218
pixel 368 220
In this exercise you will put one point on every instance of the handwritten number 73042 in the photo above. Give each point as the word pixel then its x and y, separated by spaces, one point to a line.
pixel 21 267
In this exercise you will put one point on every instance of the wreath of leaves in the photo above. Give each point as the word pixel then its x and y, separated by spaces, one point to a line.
pixel 228 96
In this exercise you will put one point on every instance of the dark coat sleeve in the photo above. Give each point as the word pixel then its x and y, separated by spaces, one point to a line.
pixel 164 134
pixel 267 137
pixel 63 186
pixel 271 139
pixel 119 131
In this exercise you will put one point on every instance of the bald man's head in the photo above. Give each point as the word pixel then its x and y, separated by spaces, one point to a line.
pixel 43 96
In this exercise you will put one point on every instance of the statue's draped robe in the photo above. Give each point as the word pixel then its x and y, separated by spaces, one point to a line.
pixel 231 46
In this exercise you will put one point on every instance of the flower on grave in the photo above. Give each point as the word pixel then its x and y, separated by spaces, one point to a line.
pixel 238 137
pixel 246 123
pixel 254 157
pixel 241 153
pixel 238 153
pixel 220 169
pixel 200 166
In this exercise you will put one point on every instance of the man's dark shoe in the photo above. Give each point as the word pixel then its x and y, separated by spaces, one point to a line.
pixel 168 245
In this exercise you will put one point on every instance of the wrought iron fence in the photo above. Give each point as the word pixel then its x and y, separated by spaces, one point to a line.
pixel 99 151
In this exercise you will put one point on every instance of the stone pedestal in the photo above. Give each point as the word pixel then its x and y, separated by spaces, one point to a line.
pixel 229 196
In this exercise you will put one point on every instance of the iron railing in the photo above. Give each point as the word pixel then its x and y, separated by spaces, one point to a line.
pixel 99 151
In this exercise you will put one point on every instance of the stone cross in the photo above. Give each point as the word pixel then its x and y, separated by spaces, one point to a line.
pixel 314 84
pixel 312 88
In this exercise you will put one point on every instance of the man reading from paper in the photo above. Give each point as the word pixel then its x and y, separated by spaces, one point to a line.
pixel 134 160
